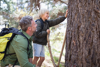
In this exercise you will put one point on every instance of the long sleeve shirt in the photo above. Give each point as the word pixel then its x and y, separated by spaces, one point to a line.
pixel 19 46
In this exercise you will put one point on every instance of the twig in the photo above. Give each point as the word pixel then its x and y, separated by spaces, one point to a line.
pixel 62 48
pixel 49 47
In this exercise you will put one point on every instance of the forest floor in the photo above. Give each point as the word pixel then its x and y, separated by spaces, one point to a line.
pixel 48 63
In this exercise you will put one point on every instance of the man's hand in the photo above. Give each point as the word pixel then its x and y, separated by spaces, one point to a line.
pixel 30 60
pixel 66 13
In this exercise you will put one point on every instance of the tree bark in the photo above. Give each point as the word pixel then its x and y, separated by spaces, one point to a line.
pixel 83 34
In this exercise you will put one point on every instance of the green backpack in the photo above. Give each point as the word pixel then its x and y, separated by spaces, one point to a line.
pixel 6 36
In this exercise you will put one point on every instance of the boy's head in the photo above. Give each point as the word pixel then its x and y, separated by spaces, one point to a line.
pixel 44 13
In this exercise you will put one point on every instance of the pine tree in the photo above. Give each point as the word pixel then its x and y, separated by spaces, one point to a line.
pixel 83 34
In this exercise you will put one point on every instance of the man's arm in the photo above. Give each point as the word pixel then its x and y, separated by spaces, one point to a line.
pixel 19 44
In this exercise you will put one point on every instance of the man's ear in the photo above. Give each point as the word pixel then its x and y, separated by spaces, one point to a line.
pixel 29 28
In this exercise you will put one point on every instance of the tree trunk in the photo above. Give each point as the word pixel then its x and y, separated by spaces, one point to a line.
pixel 83 34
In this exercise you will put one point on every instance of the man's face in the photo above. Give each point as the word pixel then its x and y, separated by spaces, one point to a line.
pixel 34 25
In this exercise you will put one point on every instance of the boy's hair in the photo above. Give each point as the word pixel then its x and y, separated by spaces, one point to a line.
pixel 42 11
pixel 25 22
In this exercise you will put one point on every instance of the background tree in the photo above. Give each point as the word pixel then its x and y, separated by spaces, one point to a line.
pixel 83 34
pixel 11 10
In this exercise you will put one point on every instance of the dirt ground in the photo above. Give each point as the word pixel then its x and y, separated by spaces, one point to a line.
pixel 46 63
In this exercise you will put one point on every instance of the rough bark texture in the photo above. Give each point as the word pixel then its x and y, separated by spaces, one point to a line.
pixel 83 34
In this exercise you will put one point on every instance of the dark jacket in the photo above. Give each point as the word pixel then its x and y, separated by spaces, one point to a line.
pixel 40 36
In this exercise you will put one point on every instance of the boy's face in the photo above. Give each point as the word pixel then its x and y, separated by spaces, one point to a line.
pixel 46 15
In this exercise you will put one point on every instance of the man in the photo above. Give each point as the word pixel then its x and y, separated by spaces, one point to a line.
pixel 19 44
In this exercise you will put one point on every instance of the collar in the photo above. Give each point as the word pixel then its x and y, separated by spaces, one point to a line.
pixel 43 21
pixel 29 37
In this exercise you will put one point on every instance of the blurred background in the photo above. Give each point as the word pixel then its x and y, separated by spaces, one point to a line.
pixel 11 11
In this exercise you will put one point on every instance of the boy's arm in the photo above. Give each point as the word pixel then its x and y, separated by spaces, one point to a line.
pixel 39 33
pixel 56 21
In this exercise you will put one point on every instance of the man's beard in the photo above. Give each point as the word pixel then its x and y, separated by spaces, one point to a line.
pixel 34 31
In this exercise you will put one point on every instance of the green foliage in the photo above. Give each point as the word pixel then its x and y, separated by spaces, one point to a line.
pixel 47 51
pixel 11 11
pixel 56 59
pixel 8 5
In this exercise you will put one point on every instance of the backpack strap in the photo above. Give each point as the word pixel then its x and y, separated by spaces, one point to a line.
pixel 15 62
pixel 20 33
pixel 42 25
pixel 16 32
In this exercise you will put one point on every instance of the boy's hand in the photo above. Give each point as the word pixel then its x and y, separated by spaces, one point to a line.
pixel 48 31
pixel 66 13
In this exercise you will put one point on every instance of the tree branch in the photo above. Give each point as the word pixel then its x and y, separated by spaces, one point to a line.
pixel 61 1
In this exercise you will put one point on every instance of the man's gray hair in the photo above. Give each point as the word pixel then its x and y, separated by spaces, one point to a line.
pixel 25 22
